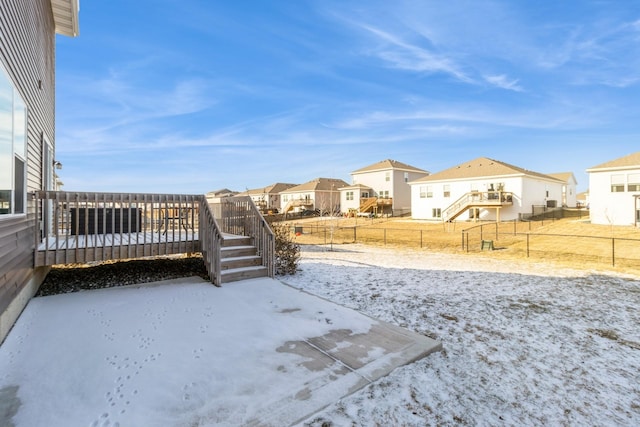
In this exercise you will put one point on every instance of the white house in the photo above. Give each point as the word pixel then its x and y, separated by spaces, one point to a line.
pixel 614 191
pixel 319 193
pixel 569 196
pixel 382 187
pixel 267 198
pixel 484 189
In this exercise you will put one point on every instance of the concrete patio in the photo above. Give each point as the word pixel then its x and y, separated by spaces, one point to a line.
pixel 182 352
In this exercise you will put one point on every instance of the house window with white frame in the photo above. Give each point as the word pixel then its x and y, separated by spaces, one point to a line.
pixel 349 195
pixel 634 182
pixel 446 190
pixel 285 198
pixel 387 176
pixel 436 213
pixel 364 195
pixel 13 148
pixel 384 194
pixel 423 191
pixel 429 191
pixel 617 183
pixel 406 177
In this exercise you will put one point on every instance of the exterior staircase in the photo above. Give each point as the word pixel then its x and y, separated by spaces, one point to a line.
pixel 239 260
pixel 477 199
pixel 368 204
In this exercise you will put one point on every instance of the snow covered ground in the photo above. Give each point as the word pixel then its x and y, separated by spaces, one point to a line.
pixel 524 343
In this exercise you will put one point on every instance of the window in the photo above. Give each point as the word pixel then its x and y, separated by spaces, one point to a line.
pixel 617 183
pixel 436 213
pixel 349 195
pixel 387 176
pixel 429 191
pixel 634 182
pixel 406 177
pixel 446 190
pixel 13 148
pixel 423 192
pixel 383 194
pixel 285 197
pixel 364 195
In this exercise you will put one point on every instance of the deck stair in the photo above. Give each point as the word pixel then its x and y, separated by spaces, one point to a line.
pixel 477 199
pixel 239 260
pixel 368 204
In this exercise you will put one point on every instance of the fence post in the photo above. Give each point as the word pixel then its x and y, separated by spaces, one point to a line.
pixel 462 240
pixel 467 242
pixel 385 236
pixel 527 245
pixel 497 225
pixel 613 251
pixel 354 234
pixel 420 239
pixel 481 226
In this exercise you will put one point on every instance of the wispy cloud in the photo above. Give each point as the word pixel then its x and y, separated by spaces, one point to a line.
pixel 503 82
pixel 406 56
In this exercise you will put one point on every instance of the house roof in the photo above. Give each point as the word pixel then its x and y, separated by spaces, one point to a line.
pixel 480 168
pixel 65 17
pixel 631 161
pixel 563 176
pixel 318 184
pixel 223 191
pixel 270 189
pixel 387 165
pixel 356 187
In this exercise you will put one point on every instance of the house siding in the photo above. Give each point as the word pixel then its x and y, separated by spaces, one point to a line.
pixel 27 39
pixel 612 208
pixel 526 191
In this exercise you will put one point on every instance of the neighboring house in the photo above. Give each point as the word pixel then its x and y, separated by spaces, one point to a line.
pixel 267 198
pixel 569 196
pixel 27 138
pixel 320 193
pixel 215 195
pixel 483 189
pixel 614 191
pixel 382 187
pixel 582 199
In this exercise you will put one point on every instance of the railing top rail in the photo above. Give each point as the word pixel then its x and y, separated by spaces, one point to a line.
pixel 51 194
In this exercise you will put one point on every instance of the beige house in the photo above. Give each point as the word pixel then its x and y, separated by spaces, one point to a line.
pixel 380 188
pixel 614 191
pixel 27 139
pixel 319 193
pixel 267 198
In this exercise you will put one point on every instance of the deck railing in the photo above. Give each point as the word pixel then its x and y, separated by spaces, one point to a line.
pixel 476 198
pixel 240 216
pixel 80 227
pixel 211 243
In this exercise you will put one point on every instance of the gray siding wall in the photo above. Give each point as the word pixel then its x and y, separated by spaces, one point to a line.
pixel 27 42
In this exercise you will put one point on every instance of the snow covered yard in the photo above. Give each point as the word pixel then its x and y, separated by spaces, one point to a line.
pixel 524 343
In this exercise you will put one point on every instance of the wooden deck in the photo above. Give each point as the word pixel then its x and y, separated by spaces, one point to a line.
pixel 85 227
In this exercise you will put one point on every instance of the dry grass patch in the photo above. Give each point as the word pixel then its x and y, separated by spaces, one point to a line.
pixel 568 242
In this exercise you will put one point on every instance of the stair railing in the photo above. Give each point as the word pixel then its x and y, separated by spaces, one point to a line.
pixel 240 216
pixel 211 242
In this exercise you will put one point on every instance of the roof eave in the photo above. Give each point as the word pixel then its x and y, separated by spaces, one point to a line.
pixel 65 17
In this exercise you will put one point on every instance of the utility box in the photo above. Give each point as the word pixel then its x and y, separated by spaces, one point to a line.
pixel 105 220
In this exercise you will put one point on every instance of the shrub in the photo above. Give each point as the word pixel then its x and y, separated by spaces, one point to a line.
pixel 287 250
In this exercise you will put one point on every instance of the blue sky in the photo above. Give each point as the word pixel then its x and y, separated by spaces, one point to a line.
pixel 191 96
